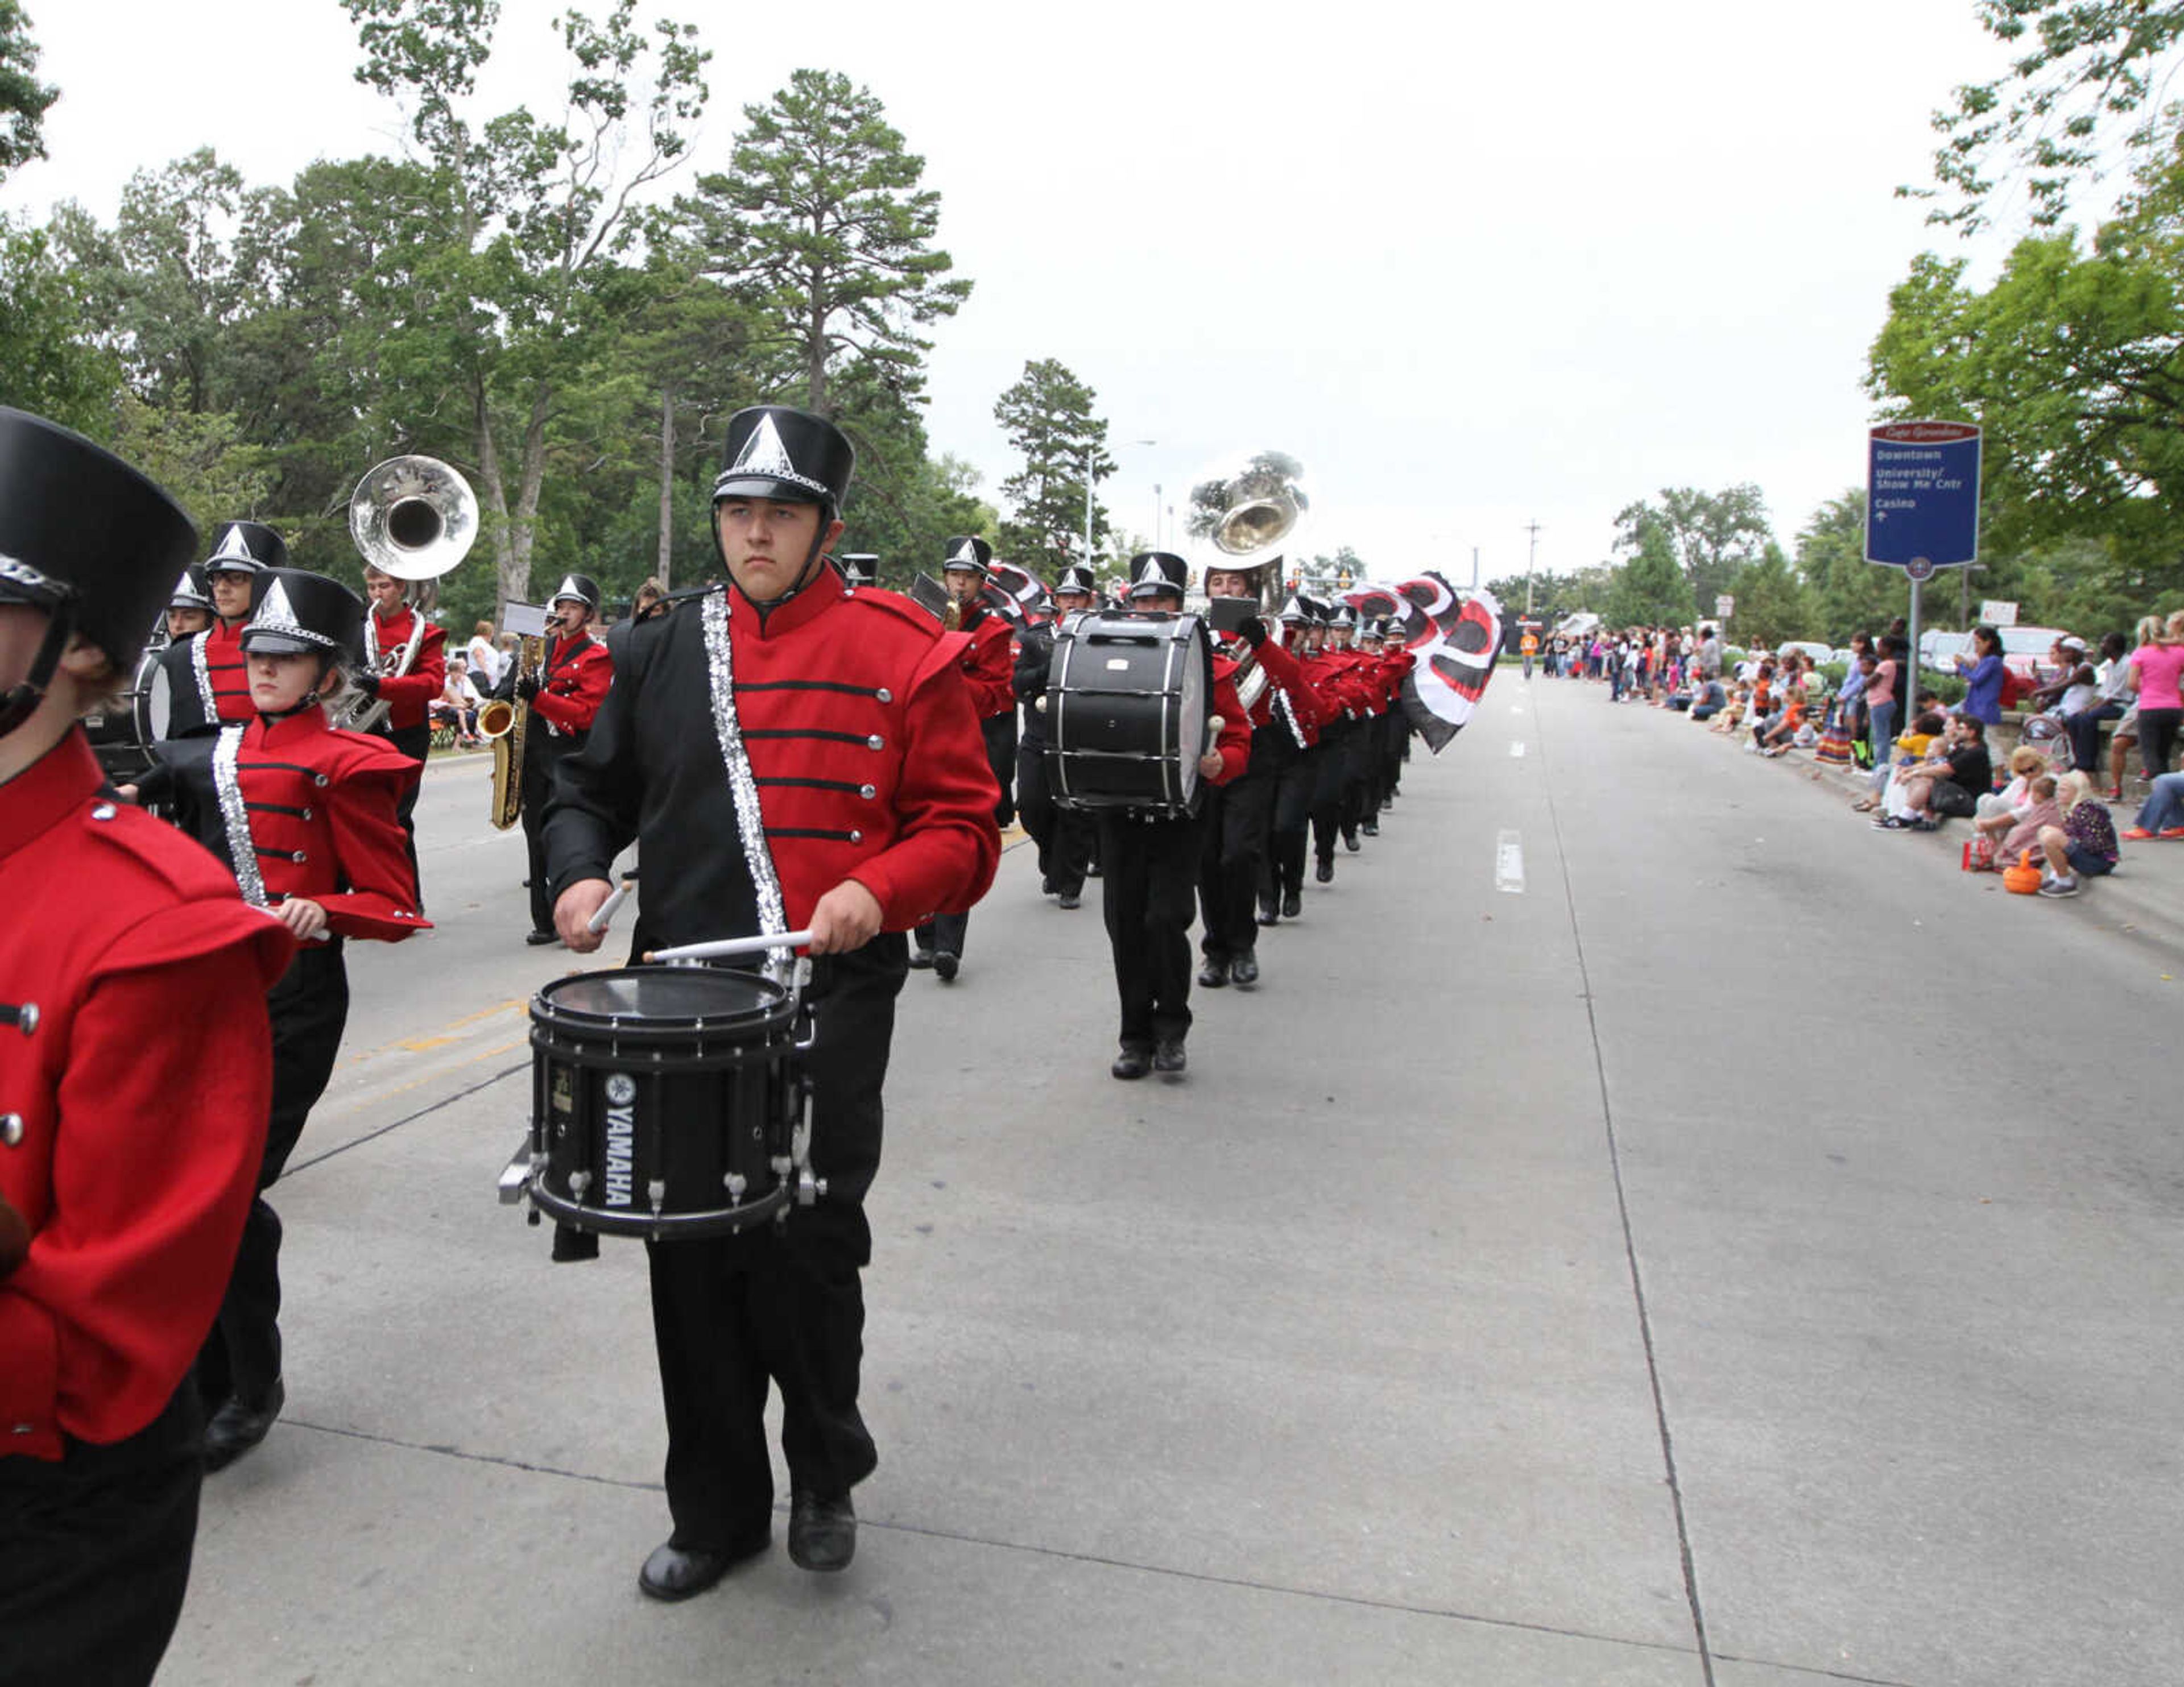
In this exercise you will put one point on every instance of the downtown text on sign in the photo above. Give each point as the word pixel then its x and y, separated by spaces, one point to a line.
pixel 1922 494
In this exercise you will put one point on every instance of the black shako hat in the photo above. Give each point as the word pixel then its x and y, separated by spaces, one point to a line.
pixel 791 456
pixel 1077 577
pixel 1294 612
pixel 581 587
pixel 79 526
pixel 860 568
pixel 1155 571
pixel 245 547
pixel 965 551
pixel 300 613
pixel 191 592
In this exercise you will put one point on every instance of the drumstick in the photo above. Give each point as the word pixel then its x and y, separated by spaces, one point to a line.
pixel 722 948
pixel 597 922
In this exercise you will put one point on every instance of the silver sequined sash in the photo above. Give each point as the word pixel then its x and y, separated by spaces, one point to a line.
pixel 742 785
pixel 242 850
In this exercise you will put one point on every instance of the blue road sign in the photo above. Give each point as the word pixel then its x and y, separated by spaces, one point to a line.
pixel 1922 485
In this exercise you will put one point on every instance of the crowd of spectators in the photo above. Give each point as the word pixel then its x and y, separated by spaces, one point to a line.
pixel 2052 812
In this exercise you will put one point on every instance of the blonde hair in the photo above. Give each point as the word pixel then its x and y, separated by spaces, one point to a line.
pixel 2149 630
pixel 2176 625
pixel 2075 787
pixel 2026 759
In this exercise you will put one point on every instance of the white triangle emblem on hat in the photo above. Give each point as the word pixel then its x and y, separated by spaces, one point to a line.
pixel 1151 571
pixel 966 556
pixel 568 588
pixel 186 586
pixel 763 453
pixel 233 550
pixel 276 613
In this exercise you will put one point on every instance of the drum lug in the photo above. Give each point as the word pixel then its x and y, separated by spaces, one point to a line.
pixel 736 1184
pixel 808 1189
pixel 657 1189
pixel 579 1182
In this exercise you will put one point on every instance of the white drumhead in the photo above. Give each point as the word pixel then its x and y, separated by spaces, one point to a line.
pixel 155 702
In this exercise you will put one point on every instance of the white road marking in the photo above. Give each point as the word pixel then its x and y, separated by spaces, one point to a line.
pixel 1509 862
pixel 1517 747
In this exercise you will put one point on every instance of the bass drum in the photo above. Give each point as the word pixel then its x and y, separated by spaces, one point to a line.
pixel 123 736
pixel 1126 704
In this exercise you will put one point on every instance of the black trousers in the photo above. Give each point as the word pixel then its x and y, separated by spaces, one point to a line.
pixel 95 1554
pixel 732 1313
pixel 1148 891
pixel 1063 835
pixel 1291 826
pixel 540 759
pixel 943 934
pixel 1235 827
pixel 1328 817
pixel 309 1007
pixel 1360 797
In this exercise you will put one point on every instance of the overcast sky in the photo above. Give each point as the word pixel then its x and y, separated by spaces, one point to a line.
pixel 1474 265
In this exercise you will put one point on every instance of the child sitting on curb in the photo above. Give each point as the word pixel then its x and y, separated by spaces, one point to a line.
pixel 2084 846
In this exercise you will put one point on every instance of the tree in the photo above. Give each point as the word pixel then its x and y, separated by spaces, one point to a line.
pixel 2086 62
pixel 2073 361
pixel 1711 536
pixel 1850 594
pixel 1650 590
pixel 1047 417
pixel 201 460
pixel 23 98
pixel 821 218
pixel 1773 603
pixel 525 270
pixel 49 363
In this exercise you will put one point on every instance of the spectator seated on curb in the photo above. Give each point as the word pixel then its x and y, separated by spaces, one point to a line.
pixel 2025 764
pixel 1781 729
pixel 2084 846
pixel 1708 698
pixel 1740 699
pixel 2041 810
pixel 1947 785
pixel 1906 752
pixel 2162 814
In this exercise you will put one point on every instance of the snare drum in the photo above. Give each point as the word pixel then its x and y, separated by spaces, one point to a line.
pixel 1126 711
pixel 123 736
pixel 664 1100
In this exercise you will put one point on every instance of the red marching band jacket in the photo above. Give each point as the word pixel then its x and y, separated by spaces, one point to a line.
pixel 223 680
pixel 1287 680
pixel 842 799
pixel 320 807
pixel 572 683
pixel 409 696
pixel 989 666
pixel 1234 743
pixel 131 1118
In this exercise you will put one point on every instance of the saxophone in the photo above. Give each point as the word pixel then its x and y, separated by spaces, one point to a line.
pixel 505 720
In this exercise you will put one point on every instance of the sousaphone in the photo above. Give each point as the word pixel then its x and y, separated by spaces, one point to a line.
pixel 1245 516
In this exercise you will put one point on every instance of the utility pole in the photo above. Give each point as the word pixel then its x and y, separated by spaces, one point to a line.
pixel 1531 557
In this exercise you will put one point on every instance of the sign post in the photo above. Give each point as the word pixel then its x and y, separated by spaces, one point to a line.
pixel 1922 488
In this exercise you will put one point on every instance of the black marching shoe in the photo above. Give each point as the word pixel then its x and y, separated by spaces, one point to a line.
pixel 1371 828
pixel 1214 974
pixel 1349 840
pixel 1070 899
pixel 1323 870
pixel 823 1532
pixel 1168 1055
pixel 944 966
pixel 1131 1062
pixel 535 939
pixel 237 1427
pixel 1243 970
pixel 920 959
pixel 673 1572
pixel 1269 913
pixel 1293 902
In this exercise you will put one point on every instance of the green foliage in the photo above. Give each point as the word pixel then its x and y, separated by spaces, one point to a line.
pixel 49 364
pixel 1650 589
pixel 2073 361
pixel 1049 418
pixel 202 459
pixel 2084 66
pixel 1773 602
pixel 821 219
pixel 1712 536
pixel 23 98
pixel 1849 593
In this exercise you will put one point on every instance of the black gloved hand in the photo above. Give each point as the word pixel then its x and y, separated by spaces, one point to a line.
pixel 527 686
pixel 1253 633
pixel 366 683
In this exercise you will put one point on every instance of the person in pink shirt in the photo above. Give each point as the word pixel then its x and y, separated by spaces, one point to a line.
pixel 2158 662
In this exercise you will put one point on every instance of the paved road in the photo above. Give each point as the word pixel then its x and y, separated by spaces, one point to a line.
pixel 1647 1228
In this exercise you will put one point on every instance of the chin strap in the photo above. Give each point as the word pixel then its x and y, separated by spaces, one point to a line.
pixel 21 701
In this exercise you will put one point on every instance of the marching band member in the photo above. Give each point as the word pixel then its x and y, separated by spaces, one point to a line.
pixel 1364 784
pixel 1063 836
pixel 565 696
pixel 1150 865
pixel 1237 819
pixel 392 621
pixel 189 606
pixel 207 682
pixel 1395 745
pixel 1282 888
pixel 790 753
pixel 131 1119
pixel 305 817
pixel 987 664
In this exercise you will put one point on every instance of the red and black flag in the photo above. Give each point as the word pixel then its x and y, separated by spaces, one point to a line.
pixel 1454 640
